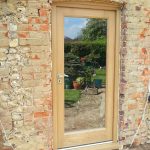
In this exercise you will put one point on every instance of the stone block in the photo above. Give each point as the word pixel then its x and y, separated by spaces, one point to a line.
pixel 13 42
pixel 3 56
pixel 12 27
pixel 17 116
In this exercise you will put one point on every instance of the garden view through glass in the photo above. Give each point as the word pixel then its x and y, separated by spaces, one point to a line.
pixel 85 41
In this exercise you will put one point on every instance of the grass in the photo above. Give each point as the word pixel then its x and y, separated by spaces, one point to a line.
pixel 100 74
pixel 72 96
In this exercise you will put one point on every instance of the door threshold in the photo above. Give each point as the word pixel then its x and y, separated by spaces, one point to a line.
pixel 110 145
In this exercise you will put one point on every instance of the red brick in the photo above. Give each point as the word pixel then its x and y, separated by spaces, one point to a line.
pixel 34 20
pixel 42 12
pixel 144 53
pixel 139 121
pixel 23 35
pixel 132 106
pixel 145 79
pixel 41 114
pixel 35 57
pixel 3 27
pixel 142 34
pixel 44 20
pixel 43 101
pixel 44 27
pixel 37 20
pixel 137 95
pixel 145 72
pixel 41 123
pixel 147 62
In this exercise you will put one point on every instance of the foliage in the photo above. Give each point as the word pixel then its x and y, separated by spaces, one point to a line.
pixel 95 29
pixel 73 67
pixel 80 80
pixel 100 74
pixel 92 51
pixel 87 51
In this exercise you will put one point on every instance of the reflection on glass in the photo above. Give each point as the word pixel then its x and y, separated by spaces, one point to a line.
pixel 85 73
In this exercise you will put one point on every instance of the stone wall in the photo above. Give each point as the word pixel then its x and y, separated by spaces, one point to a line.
pixel 135 73
pixel 25 73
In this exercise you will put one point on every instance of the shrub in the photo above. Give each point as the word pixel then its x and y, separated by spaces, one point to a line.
pixel 93 51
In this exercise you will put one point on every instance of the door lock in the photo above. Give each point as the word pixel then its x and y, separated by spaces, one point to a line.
pixel 60 78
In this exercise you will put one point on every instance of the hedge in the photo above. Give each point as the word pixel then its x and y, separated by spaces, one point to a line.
pixel 86 48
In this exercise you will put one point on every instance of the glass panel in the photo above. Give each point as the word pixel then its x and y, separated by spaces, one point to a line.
pixel 85 43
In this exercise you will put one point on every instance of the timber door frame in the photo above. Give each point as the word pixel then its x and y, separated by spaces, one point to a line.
pixel 96 6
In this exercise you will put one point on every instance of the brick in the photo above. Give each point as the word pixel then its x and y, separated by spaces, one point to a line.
pixel 37 49
pixel 33 42
pixel 38 56
pixel 4 86
pixel 23 34
pixel 132 106
pixel 44 27
pixel 28 119
pixel 34 27
pixel 146 72
pixel 40 75
pixel 34 20
pixel 41 114
pixel 31 83
pixel 44 20
pixel 4 42
pixel 23 27
pixel 142 34
pixel 3 27
pixel 4 71
pixel 3 35
pixel 28 76
pixel 42 12
pixel 40 35
pixel 41 124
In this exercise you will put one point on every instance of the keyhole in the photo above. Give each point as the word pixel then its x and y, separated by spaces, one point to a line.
pixel 59 81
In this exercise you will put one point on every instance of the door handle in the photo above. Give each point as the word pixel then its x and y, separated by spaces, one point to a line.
pixel 61 75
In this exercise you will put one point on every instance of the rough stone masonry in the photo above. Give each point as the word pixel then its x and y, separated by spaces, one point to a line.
pixel 26 66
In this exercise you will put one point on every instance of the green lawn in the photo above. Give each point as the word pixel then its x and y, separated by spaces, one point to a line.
pixel 72 96
pixel 100 74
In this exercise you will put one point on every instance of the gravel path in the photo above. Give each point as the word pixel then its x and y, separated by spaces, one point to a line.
pixel 88 113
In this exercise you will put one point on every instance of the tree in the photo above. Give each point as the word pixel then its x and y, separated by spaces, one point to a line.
pixel 94 30
pixel 73 66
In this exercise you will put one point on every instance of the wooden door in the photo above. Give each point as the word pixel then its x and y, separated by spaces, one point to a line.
pixel 91 135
